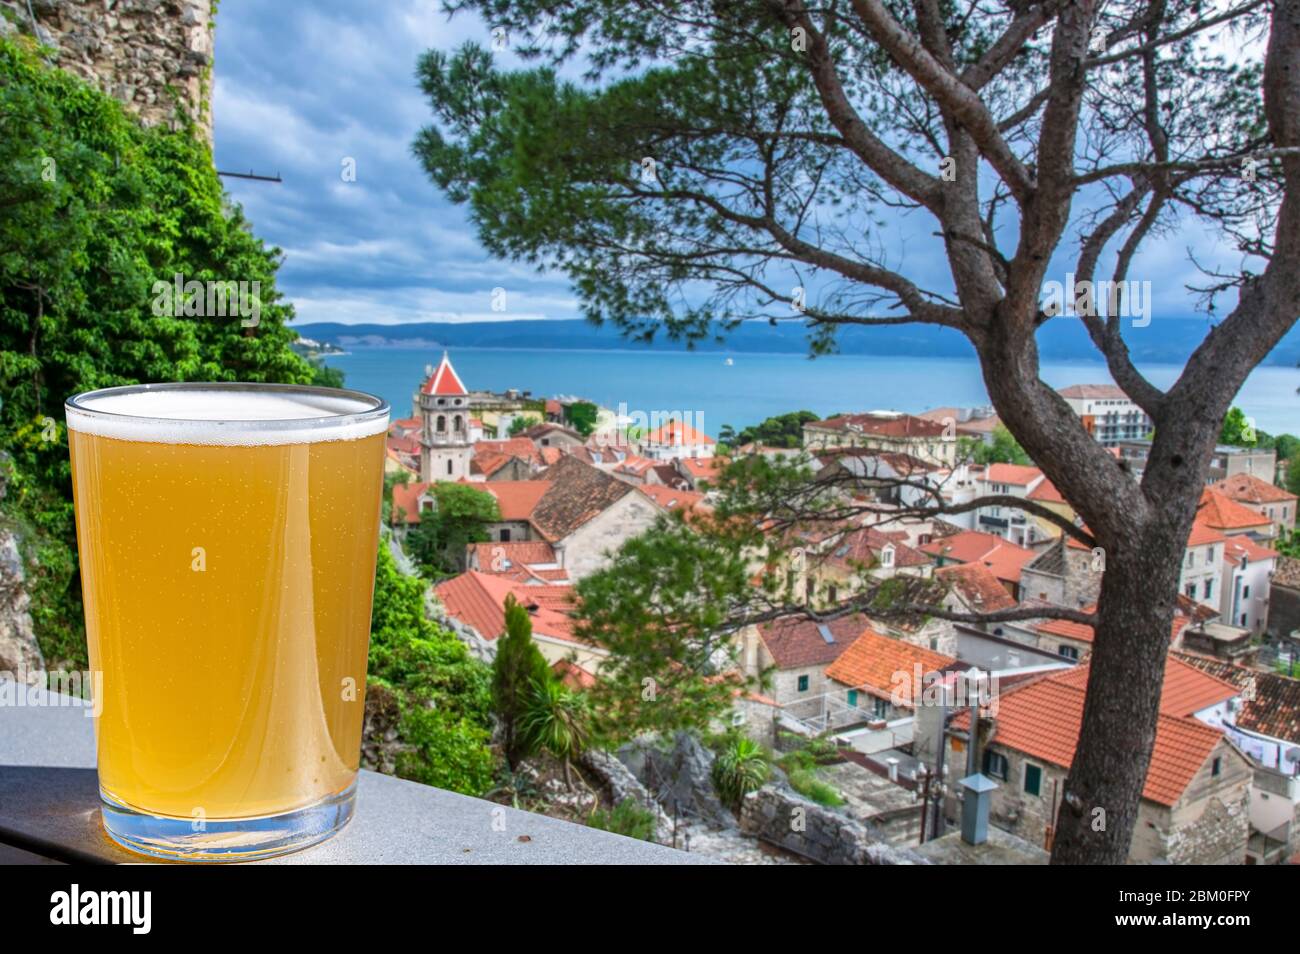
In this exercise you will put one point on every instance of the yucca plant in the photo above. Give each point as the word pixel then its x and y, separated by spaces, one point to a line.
pixel 557 719
pixel 740 768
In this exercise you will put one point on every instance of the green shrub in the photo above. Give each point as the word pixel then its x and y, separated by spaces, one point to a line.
pixel 629 817
pixel 740 768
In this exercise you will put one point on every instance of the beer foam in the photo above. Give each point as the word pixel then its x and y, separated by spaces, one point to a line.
pixel 226 416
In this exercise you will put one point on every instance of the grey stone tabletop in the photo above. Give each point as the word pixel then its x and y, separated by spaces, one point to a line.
pixel 49 810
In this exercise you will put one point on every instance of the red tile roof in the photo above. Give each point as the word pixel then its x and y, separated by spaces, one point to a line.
pixel 1221 512
pixel 517 499
pixel 478 601
pixel 500 557
pixel 520 447
pixel 1001 556
pixel 405 507
pixel 882 665
pixel 1019 475
pixel 702 468
pixel 1270 701
pixel 670 498
pixel 1238 547
pixel 444 381
pixel 882 425
pixel 677 434
pixel 981 589
pixel 1203 535
pixel 1042 718
pixel 578 492
pixel 1185 691
pixel 795 642
pixel 1105 391
pixel 1249 489
pixel 1082 632
pixel 1046 492
pixel 863 547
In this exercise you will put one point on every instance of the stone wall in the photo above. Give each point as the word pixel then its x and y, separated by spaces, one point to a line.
pixel 820 834
pixel 153 55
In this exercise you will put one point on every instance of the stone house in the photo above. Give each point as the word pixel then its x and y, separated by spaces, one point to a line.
pixel 1264 498
pixel 1195 807
pixel 877 678
pixel 791 653
pixel 1004 558
pixel 1264 722
pixel 1064 573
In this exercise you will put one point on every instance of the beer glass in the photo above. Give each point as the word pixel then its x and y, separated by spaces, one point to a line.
pixel 227 535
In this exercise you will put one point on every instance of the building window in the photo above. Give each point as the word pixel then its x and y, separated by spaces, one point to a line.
pixel 1033 780
pixel 995 765
pixel 1216 767
pixel 853 698
pixel 1190 589
pixel 504 535
pixel 458 423
pixel 881 707
pixel 1245 592
pixel 1209 589
pixel 887 556
pixel 441 426
pixel 832 594
pixel 449 463
pixel 1209 557
pixel 803 683
pixel 1244 623
pixel 1067 652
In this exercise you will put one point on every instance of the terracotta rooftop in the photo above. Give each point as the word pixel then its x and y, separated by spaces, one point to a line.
pixel 864 546
pixel 1046 492
pixel 881 425
pixel 517 499
pixel 796 641
pixel 1240 547
pixel 1249 489
pixel 1084 633
pixel 478 601
pixel 1186 690
pixel 520 447
pixel 1094 391
pixel 677 434
pixel 576 493
pixel 1041 719
pixel 1003 557
pixel 405 507
pixel 978 586
pixel 1270 701
pixel 702 468
pixel 444 381
pixel 1221 512
pixel 671 498
pixel 1019 475
pixel 882 665
pixel 499 557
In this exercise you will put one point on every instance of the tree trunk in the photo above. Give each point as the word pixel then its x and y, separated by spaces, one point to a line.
pixel 1098 811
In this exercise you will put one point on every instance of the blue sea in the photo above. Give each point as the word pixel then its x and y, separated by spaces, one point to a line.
pixel 757 386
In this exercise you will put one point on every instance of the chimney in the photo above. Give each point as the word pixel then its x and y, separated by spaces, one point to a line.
pixel 976 791
pixel 893 768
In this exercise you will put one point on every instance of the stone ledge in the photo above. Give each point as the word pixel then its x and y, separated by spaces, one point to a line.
pixel 49 807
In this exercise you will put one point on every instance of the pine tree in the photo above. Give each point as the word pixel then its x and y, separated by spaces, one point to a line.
pixel 518 665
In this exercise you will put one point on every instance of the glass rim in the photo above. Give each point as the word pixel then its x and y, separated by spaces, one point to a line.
pixel 374 409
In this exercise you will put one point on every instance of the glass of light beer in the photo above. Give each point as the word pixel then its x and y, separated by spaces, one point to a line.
pixel 227 535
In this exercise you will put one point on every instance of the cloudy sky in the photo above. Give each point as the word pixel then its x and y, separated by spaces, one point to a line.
pixel 307 89
pixel 301 88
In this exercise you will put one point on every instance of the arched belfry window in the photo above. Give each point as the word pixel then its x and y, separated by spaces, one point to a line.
pixel 458 423
pixel 442 423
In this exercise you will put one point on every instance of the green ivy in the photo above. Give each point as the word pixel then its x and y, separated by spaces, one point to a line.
pixel 96 210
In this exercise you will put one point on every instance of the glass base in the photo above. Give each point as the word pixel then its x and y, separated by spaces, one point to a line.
pixel 225 840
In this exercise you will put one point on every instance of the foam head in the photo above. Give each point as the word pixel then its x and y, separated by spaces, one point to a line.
pixel 227 414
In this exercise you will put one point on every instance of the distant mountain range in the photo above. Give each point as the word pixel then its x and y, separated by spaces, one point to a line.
pixel 1165 341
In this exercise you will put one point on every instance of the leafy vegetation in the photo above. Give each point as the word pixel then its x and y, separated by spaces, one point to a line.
pixel 1004 449
pixel 628 817
pixel 97 210
pixel 582 416
pixel 557 719
pixel 784 430
pixel 459 517
pixel 660 609
pixel 741 767
pixel 444 694
pixel 518 669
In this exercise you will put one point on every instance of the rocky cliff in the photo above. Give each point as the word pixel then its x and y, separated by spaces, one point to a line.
pixel 153 55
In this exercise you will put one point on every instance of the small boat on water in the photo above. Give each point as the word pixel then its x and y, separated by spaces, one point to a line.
pixel 729 363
